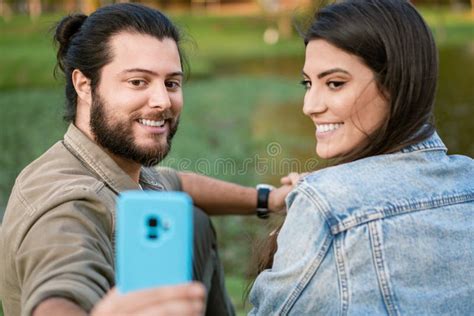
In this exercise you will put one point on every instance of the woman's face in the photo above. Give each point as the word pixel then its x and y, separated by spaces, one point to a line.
pixel 342 99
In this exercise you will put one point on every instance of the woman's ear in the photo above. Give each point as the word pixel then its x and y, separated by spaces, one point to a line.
pixel 82 85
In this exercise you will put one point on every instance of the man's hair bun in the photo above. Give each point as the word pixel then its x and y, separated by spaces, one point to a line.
pixel 65 31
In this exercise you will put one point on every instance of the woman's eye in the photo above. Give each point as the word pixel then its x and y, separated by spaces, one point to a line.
pixel 334 85
pixel 306 84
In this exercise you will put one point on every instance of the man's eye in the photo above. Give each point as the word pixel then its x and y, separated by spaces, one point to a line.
pixel 334 85
pixel 137 82
pixel 173 84
pixel 306 84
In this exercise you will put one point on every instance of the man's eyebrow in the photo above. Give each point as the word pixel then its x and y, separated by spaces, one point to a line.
pixel 331 71
pixel 176 74
pixel 151 72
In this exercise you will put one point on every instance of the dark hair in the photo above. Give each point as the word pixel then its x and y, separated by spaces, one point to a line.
pixel 84 41
pixel 393 40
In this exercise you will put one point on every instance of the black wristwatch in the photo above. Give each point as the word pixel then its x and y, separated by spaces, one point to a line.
pixel 263 192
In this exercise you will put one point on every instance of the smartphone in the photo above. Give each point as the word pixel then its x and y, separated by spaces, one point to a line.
pixel 154 239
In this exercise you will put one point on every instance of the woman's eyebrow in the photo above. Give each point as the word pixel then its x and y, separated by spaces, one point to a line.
pixel 331 71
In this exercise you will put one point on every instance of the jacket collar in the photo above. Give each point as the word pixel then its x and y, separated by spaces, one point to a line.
pixel 433 142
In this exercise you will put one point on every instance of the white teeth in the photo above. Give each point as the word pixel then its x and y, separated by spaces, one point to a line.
pixel 328 127
pixel 152 123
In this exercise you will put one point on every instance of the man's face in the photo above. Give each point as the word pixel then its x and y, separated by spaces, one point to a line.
pixel 136 106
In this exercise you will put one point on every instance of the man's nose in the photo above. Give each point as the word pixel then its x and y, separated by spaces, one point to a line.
pixel 159 97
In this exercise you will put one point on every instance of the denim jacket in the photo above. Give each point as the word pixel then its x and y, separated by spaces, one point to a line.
pixel 390 234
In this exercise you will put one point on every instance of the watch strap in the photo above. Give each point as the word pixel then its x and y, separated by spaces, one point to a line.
pixel 262 202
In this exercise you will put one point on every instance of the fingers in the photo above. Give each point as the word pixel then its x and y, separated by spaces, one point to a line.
pixel 276 200
pixel 163 294
pixel 178 308
pixel 292 178
pixel 187 299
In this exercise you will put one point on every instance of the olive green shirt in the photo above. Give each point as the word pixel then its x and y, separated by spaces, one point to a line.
pixel 57 236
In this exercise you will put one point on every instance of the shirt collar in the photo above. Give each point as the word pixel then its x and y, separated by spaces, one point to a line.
pixel 148 179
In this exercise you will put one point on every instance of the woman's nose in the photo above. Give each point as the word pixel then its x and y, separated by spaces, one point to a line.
pixel 314 102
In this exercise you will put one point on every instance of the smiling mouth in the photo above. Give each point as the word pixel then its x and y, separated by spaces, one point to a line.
pixel 324 128
pixel 152 123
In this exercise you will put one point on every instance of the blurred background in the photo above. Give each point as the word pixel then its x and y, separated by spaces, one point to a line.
pixel 242 120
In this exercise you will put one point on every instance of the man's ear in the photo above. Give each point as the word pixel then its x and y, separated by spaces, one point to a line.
pixel 82 85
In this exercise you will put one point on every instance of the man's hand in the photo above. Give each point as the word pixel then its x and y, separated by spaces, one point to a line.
pixel 276 200
pixel 188 299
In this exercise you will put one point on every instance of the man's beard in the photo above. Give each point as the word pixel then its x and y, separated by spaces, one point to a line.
pixel 117 136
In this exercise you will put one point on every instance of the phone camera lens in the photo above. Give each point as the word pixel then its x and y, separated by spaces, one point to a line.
pixel 152 222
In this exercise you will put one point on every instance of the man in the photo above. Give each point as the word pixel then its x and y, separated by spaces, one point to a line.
pixel 123 71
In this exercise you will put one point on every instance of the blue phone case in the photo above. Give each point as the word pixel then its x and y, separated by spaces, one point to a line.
pixel 154 239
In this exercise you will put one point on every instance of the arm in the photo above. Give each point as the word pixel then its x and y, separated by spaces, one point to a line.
pixel 67 253
pixel 58 306
pixel 304 242
pixel 218 197
pixel 66 266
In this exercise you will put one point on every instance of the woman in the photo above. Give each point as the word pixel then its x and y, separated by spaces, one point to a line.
pixel 388 230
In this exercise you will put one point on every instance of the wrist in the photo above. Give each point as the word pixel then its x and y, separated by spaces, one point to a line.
pixel 271 202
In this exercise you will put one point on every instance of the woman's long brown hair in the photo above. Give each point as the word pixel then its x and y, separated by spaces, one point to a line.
pixel 393 40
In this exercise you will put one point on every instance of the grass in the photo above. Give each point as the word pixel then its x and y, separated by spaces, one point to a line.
pixel 28 60
pixel 236 288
